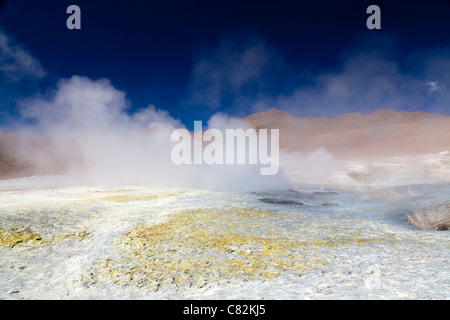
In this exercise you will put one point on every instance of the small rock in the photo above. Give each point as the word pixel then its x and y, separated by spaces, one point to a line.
pixel 434 217
pixel 281 201
pixel 327 204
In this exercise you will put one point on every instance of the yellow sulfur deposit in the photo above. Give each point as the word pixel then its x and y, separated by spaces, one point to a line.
pixel 200 246
pixel 196 247
pixel 19 235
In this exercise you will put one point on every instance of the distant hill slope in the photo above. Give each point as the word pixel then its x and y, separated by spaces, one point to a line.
pixel 381 133
pixel 21 155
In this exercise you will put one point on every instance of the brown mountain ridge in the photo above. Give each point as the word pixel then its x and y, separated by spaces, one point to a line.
pixel 379 134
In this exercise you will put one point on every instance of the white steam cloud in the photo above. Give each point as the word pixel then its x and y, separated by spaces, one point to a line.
pixel 433 86
pixel 16 62
pixel 92 136
pixel 250 74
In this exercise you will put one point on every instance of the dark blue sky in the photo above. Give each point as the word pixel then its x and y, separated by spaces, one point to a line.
pixel 150 50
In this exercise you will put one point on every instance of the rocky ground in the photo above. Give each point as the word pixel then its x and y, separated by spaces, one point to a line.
pixel 59 242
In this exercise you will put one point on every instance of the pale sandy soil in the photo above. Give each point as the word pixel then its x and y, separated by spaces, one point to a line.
pixel 88 242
